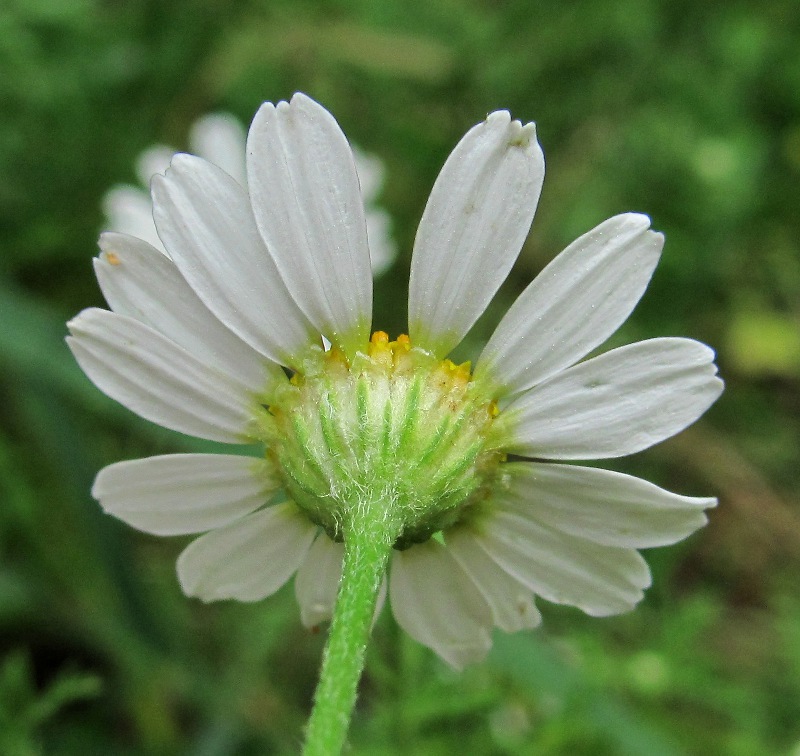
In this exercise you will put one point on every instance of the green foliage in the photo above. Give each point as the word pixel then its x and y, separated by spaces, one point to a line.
pixel 23 710
pixel 687 111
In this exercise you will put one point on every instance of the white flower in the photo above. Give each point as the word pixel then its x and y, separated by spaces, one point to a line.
pixel 254 279
pixel 220 139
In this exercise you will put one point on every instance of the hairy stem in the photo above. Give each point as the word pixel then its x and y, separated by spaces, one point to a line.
pixel 367 546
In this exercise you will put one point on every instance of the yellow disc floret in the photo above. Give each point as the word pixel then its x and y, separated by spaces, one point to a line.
pixel 395 428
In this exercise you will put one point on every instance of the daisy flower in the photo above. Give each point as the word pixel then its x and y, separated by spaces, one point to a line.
pixel 255 326
pixel 220 139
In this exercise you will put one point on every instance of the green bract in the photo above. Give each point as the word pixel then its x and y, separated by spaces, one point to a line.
pixel 395 427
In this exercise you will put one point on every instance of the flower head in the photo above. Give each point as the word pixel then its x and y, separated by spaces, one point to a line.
pixel 472 471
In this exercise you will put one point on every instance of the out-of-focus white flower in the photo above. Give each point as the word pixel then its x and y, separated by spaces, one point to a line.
pixel 220 139
pixel 382 247
pixel 476 467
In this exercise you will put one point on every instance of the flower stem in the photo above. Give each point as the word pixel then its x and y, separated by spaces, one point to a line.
pixel 367 546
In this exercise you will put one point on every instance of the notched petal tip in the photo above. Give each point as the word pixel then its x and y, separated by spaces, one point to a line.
pixel 182 166
pixel 109 243
pixel 181 162
pixel 110 238
pixel 497 118
pixel 265 111
pixel 302 99
pixel 639 224
pixel 76 325
pixel 298 101
pixel 521 136
pixel 657 240
pixel 716 385
pixel 517 133
pixel 158 184
pixel 99 487
pixel 632 225
pixel 633 218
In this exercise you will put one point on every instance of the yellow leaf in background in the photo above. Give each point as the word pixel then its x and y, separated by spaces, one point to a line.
pixel 765 343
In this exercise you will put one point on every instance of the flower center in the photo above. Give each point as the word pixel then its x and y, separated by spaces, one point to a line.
pixel 394 429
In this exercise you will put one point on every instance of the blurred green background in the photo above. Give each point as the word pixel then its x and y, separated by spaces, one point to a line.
pixel 687 111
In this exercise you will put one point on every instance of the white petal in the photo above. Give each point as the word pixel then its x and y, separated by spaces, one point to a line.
pixel 478 215
pixel 511 602
pixel 371 173
pixel 128 210
pixel 204 219
pixel 220 138
pixel 603 506
pixel 140 282
pixel 177 494
pixel 437 604
pixel 600 580
pixel 574 304
pixel 158 380
pixel 153 160
pixel 249 559
pixel 317 581
pixel 616 404
pixel 309 209
pixel 382 249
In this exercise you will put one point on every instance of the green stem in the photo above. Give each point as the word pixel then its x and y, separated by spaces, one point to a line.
pixel 367 546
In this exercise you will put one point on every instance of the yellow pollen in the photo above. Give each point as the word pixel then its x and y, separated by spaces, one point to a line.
pixel 336 356
pixel 113 258
pixel 459 374
pixel 403 344
pixel 381 347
